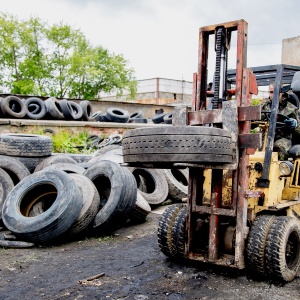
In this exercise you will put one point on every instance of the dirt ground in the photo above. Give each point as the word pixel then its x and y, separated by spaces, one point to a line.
pixel 132 267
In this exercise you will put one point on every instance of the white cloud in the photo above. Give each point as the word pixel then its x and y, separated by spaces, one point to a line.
pixel 160 37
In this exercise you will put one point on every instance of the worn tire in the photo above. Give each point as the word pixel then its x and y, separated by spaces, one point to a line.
pixel 54 159
pixel 14 168
pixel 106 149
pixel 178 183
pixel 178 233
pixel 117 189
pixel 255 250
pixel 77 111
pixel 30 162
pixel 165 226
pixel 66 167
pixel 158 118
pixel 164 146
pixel 87 110
pixel 6 185
pixel 168 118
pixel 136 114
pixel 66 109
pixel 27 145
pixel 13 106
pixel 141 209
pixel 118 115
pixel 283 249
pixel 53 108
pixel 35 113
pixel 66 206
pixel 155 182
pixel 91 203
pixel 138 120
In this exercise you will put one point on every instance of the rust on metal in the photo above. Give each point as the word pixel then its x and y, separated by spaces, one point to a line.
pixel 250 140
pixel 201 117
pixel 216 200
pixel 249 113
pixel 215 211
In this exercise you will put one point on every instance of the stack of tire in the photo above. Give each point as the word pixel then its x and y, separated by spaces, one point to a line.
pixel 50 109
pixel 162 118
pixel 61 198
pixel 118 115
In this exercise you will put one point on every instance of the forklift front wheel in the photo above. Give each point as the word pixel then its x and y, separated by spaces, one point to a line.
pixel 283 249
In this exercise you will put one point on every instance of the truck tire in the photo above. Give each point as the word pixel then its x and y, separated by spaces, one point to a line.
pixel 6 185
pixel 117 189
pixel 165 225
pixel 141 209
pixel 69 168
pixel 164 146
pixel 91 203
pixel 283 249
pixel 54 159
pixel 178 183
pixel 27 145
pixel 66 206
pixel 155 182
pixel 14 168
pixel 255 251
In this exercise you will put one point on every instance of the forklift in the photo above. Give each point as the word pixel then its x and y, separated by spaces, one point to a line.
pixel 243 203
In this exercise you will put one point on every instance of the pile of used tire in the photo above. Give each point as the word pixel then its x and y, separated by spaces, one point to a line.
pixel 53 109
pixel 48 197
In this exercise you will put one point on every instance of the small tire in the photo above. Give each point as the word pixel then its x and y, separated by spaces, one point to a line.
pixel 13 106
pixel 87 110
pixel 136 114
pixel 36 113
pixel 65 208
pixel 118 115
pixel 66 109
pixel 27 145
pixel 283 249
pixel 155 184
pixel 158 118
pixel 77 111
pixel 168 118
pixel 53 108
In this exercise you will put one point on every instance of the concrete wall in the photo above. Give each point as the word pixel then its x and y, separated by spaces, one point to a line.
pixel 291 51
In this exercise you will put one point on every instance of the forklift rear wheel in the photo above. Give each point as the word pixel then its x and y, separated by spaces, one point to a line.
pixel 255 253
pixel 165 225
pixel 178 233
pixel 283 249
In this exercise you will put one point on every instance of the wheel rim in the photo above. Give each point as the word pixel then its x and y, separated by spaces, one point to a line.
pixel 292 250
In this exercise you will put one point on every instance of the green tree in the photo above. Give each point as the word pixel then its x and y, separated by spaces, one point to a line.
pixel 58 61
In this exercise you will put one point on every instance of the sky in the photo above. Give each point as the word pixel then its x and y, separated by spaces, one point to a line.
pixel 159 38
